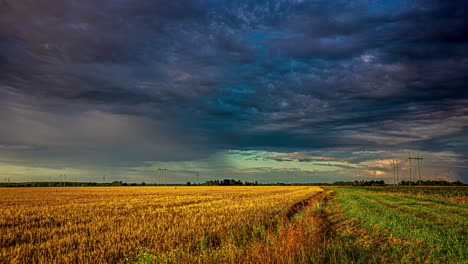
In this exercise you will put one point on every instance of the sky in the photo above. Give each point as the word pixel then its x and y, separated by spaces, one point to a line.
pixel 268 91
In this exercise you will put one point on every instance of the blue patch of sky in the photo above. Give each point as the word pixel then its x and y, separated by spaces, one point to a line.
pixel 239 89
pixel 387 6
pixel 257 39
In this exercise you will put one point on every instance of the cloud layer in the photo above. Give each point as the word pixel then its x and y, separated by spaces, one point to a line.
pixel 120 83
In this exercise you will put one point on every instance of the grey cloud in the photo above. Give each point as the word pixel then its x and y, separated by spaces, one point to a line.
pixel 322 75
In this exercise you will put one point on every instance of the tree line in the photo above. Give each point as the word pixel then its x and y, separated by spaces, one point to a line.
pixel 231 182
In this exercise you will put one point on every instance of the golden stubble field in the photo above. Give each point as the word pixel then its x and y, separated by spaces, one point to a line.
pixel 119 224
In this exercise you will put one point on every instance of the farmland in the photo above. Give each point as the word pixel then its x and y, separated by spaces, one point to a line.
pixel 450 193
pixel 108 225
pixel 405 225
pixel 232 225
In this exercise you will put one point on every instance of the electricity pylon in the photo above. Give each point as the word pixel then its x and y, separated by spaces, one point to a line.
pixel 410 159
pixel 161 174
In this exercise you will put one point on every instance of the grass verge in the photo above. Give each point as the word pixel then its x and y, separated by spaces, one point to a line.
pixel 395 228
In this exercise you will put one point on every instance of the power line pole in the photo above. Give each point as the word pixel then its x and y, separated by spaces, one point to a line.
pixel 419 169
pixel 198 178
pixel 395 172
pixel 159 176
pixel 410 161
pixel 397 169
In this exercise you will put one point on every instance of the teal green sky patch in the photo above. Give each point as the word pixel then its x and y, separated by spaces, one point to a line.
pixel 279 160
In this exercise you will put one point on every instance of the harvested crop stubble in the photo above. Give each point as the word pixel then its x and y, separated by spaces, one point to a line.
pixel 107 224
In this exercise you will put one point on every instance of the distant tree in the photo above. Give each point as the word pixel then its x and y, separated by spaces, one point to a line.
pixel 117 183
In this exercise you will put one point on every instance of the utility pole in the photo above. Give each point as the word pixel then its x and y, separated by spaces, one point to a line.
pixel 410 167
pixel 397 169
pixel 198 178
pixel 165 177
pixel 419 169
pixel 159 176
pixel 395 172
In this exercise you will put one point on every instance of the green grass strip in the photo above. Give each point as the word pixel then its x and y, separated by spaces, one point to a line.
pixel 416 220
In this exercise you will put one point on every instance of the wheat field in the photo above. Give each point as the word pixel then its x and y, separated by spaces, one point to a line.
pixel 159 224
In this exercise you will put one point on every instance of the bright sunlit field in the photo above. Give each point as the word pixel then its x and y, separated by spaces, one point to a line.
pixel 170 224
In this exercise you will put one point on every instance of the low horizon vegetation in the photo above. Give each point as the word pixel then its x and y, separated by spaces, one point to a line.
pixel 228 182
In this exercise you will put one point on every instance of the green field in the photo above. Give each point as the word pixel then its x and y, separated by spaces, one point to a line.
pixel 453 192
pixel 386 225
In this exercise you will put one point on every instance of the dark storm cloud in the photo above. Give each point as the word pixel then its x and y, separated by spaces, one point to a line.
pixel 292 75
